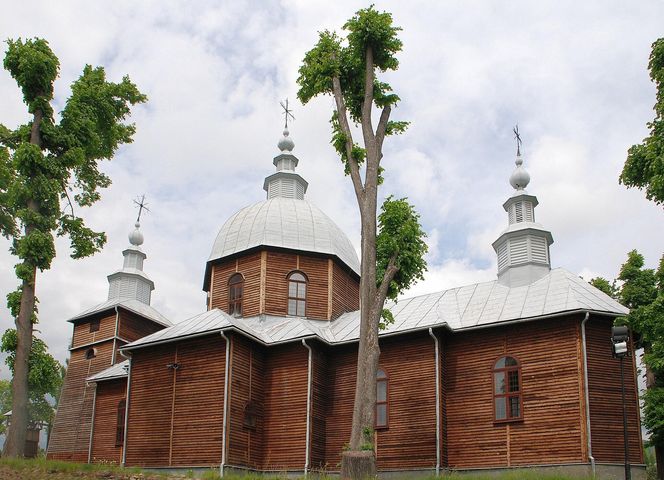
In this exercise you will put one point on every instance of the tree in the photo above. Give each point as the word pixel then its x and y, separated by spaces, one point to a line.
pixel 644 167
pixel 45 163
pixel 44 377
pixel 392 259
pixel 5 403
pixel 642 292
pixel 605 286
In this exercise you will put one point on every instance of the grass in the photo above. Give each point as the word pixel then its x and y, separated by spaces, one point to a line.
pixel 42 469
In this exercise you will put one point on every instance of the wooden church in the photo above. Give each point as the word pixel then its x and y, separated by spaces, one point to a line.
pixel 515 372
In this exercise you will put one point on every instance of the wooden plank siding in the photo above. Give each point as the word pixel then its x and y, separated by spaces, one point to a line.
pixel 104 448
pixel 606 424
pixel 131 327
pixel 245 443
pixel 345 292
pixel 285 407
pixel 83 336
pixel 320 402
pixel 410 440
pixel 70 437
pixel 250 268
pixel 550 431
pixel 266 284
pixel 175 416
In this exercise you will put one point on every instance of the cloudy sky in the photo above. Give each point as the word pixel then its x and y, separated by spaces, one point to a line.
pixel 572 74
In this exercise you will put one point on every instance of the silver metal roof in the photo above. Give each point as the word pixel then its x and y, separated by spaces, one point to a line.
pixel 472 306
pixel 119 370
pixel 285 223
pixel 132 305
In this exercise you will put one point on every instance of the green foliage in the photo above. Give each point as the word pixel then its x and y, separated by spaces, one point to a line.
pixel 36 178
pixel 5 402
pixel 401 239
pixel 644 167
pixel 344 58
pixel 610 288
pixel 44 376
pixel 643 292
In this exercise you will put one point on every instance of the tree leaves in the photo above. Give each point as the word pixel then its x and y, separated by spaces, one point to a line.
pixel 644 167
pixel 401 239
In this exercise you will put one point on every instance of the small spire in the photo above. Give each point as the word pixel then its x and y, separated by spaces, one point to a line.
pixel 517 137
pixel 286 144
pixel 520 178
pixel 142 205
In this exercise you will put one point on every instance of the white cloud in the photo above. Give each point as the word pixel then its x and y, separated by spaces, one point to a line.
pixel 572 74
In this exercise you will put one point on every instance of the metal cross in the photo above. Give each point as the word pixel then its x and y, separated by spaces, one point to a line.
pixel 518 139
pixel 141 206
pixel 287 112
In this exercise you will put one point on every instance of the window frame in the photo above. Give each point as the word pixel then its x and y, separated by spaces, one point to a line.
pixel 121 412
pixel 386 380
pixel 235 281
pixel 507 395
pixel 94 325
pixel 297 298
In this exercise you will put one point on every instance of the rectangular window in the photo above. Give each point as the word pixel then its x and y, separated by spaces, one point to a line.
pixel 120 425
pixel 94 325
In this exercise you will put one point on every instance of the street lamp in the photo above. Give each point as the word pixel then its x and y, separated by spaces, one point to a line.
pixel 620 344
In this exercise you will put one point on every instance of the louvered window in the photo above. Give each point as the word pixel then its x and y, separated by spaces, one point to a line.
pixel 518 207
pixel 287 188
pixel 297 294
pixel 235 291
pixel 507 395
pixel 518 250
pixel 120 423
pixel 300 190
pixel 528 210
pixel 538 249
pixel 94 325
pixel 382 381
pixel 503 257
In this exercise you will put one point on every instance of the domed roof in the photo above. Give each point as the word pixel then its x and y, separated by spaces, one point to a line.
pixel 284 223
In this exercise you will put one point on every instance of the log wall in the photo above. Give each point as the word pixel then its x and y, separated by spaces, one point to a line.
pixel 285 407
pixel 131 327
pixel 104 448
pixel 551 430
pixel 175 416
pixel 245 442
pixel 70 437
pixel 345 292
pixel 83 336
pixel 266 284
pixel 604 386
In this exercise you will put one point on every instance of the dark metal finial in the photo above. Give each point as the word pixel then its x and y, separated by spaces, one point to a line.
pixel 287 112
pixel 518 139
pixel 140 201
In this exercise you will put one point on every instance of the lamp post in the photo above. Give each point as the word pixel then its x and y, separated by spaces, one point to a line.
pixel 620 344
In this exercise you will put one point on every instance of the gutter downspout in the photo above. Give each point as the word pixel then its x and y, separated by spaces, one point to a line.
pixel 126 423
pixel 308 434
pixel 225 421
pixel 117 334
pixel 585 382
pixel 92 426
pixel 435 341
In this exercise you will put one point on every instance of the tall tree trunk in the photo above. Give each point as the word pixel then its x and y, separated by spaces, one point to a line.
pixel 16 434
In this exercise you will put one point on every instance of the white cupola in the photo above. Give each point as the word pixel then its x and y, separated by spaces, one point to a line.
pixel 131 283
pixel 285 183
pixel 523 248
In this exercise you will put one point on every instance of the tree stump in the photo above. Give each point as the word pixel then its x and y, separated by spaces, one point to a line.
pixel 358 465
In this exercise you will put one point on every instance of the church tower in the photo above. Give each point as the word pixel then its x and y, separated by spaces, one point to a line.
pixel 99 332
pixel 522 248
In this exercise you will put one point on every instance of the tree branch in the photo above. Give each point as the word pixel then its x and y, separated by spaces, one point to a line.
pixel 71 205
pixel 343 122
pixel 388 276
pixel 381 128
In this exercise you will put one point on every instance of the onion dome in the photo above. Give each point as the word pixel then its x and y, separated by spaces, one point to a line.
pixel 286 144
pixel 136 236
pixel 520 178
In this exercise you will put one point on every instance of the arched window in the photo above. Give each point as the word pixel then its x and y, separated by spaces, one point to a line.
pixel 381 398
pixel 235 287
pixel 120 424
pixel 250 415
pixel 507 399
pixel 297 294
pixel 90 353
